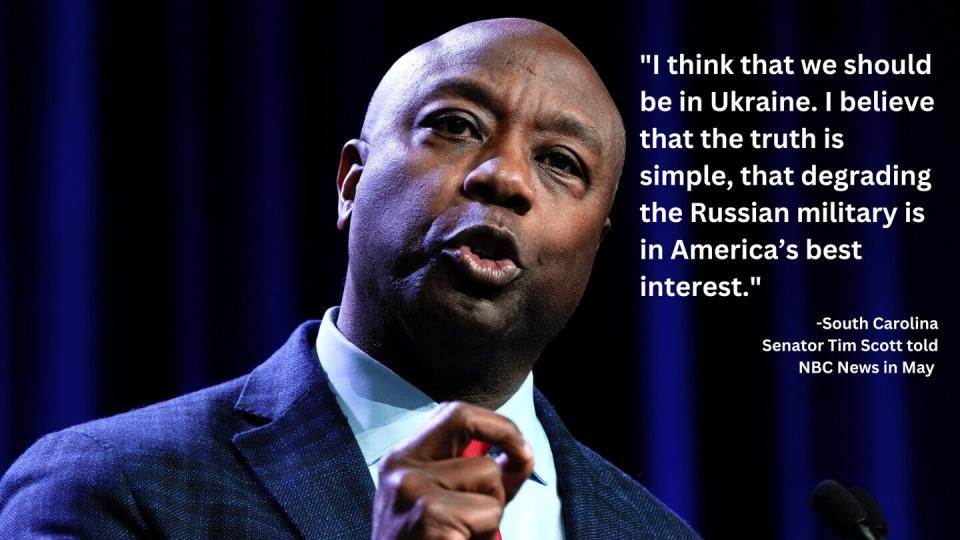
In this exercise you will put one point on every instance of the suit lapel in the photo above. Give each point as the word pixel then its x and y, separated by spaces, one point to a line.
pixel 575 479
pixel 306 455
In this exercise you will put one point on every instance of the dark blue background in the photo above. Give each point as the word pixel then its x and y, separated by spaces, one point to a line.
pixel 167 211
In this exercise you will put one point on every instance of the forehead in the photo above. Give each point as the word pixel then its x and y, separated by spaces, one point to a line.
pixel 538 76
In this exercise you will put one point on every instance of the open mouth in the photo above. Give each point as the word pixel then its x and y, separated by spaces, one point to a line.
pixel 486 255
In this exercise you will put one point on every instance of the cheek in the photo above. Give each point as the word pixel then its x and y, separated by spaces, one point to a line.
pixel 565 256
pixel 567 265
pixel 412 176
pixel 398 197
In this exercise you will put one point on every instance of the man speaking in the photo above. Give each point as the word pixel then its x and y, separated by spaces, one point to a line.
pixel 474 201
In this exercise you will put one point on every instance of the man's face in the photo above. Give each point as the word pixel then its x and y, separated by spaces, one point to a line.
pixel 485 190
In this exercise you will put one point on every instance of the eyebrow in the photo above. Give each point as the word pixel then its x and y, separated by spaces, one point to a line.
pixel 482 95
pixel 568 125
pixel 468 89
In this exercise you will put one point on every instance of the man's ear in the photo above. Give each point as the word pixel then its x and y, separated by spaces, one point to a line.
pixel 603 233
pixel 352 158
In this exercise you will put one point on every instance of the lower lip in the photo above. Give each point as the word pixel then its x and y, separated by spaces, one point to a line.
pixel 492 273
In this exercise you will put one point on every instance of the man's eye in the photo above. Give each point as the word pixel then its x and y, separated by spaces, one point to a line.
pixel 563 162
pixel 455 125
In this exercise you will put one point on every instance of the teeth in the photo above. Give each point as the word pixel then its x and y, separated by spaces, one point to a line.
pixel 483 268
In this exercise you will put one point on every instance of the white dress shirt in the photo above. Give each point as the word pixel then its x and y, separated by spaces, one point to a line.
pixel 383 410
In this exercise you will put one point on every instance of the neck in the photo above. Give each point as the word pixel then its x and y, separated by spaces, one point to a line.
pixel 484 373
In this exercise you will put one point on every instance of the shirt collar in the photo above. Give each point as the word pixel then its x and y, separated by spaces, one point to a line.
pixel 383 409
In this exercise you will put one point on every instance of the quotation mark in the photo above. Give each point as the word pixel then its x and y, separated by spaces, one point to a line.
pixel 651 59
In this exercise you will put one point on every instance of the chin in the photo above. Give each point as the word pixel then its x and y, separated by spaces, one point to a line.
pixel 450 308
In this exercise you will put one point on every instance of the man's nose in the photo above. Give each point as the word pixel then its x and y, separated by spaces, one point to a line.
pixel 505 179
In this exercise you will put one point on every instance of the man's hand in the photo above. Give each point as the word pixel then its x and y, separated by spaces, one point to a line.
pixel 428 491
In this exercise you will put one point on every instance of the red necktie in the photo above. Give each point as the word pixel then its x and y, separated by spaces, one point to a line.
pixel 477 448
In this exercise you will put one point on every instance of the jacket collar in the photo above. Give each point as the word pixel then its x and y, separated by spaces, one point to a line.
pixel 575 478
pixel 305 456
pixel 303 451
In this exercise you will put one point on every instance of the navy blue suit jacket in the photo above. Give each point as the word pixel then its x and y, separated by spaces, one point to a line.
pixel 269 455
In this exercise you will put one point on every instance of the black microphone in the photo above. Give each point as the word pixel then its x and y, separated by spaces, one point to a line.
pixel 874 516
pixel 841 510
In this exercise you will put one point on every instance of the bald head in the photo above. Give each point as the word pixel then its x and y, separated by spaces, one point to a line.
pixel 497 44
